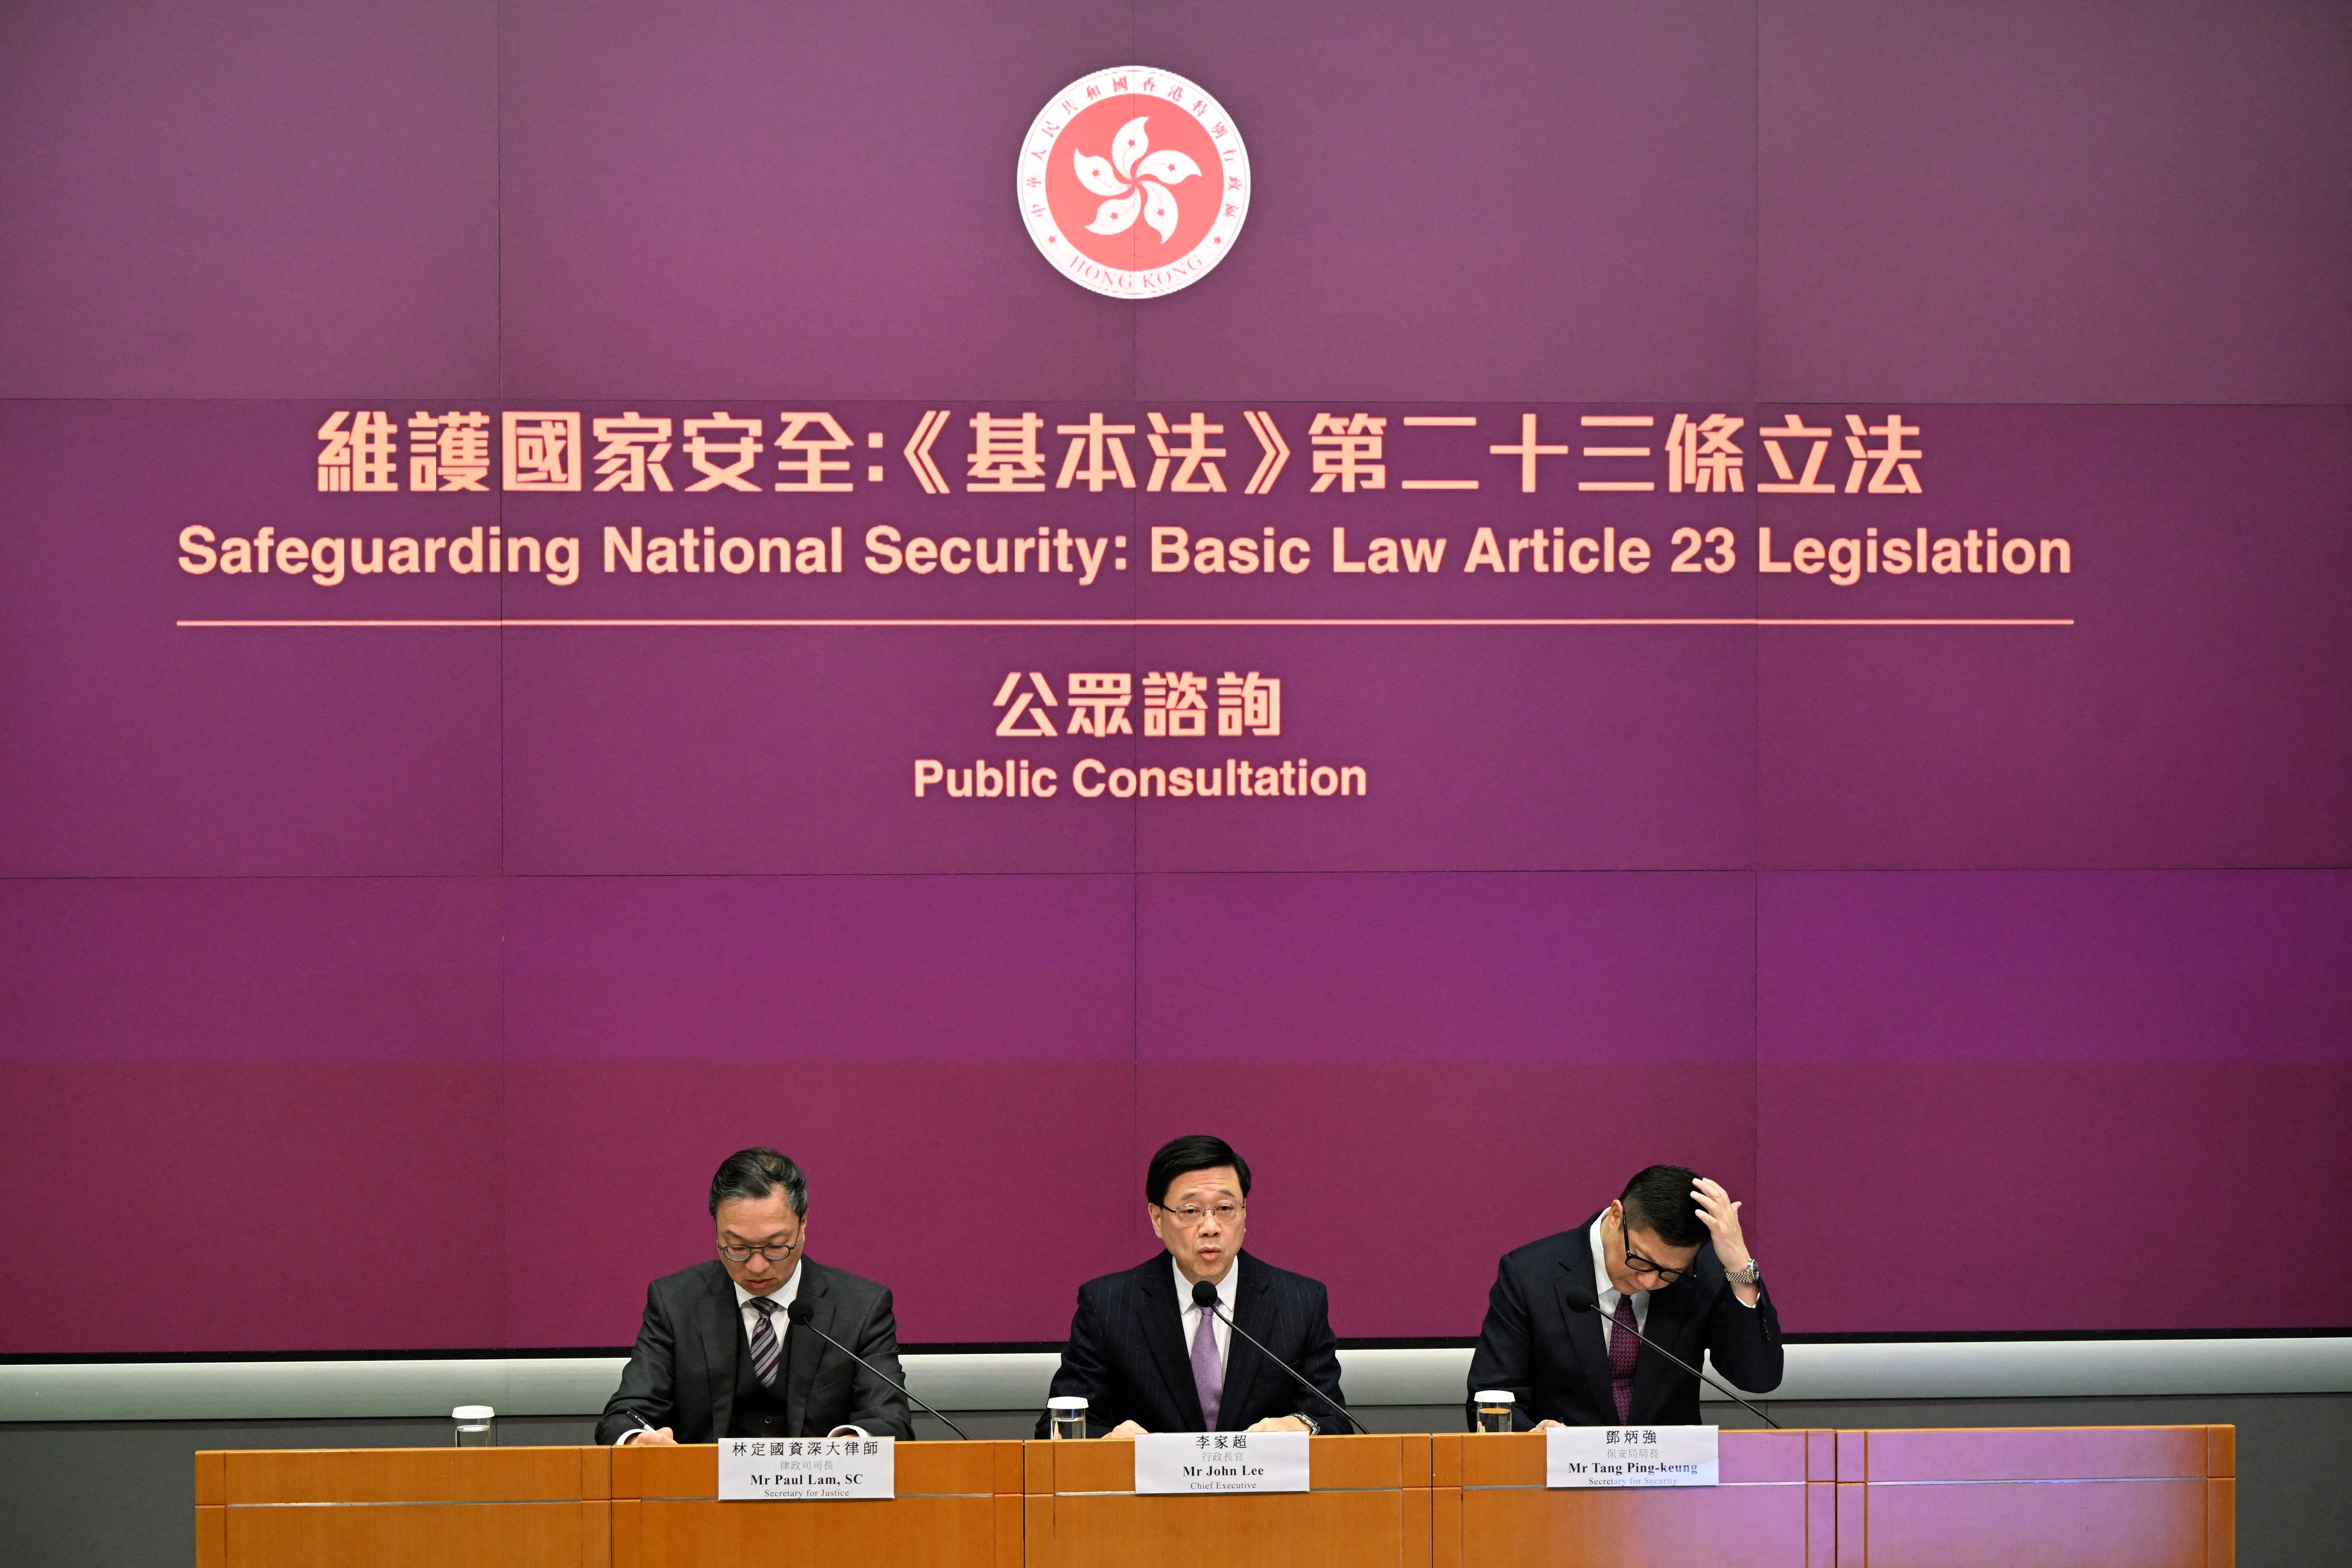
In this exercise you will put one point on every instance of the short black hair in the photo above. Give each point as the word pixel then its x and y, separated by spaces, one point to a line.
pixel 1194 1152
pixel 756 1173
pixel 1659 1199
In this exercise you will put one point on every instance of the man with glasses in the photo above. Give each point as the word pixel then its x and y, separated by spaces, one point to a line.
pixel 1666 1260
pixel 718 1356
pixel 1146 1358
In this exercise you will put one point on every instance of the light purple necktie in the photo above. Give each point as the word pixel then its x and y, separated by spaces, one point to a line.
pixel 1208 1377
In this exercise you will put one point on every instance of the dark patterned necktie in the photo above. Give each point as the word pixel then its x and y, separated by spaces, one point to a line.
pixel 765 1351
pixel 1622 1348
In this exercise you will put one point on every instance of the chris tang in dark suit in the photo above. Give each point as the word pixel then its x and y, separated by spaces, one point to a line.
pixel 1146 1358
pixel 1558 1365
pixel 718 1354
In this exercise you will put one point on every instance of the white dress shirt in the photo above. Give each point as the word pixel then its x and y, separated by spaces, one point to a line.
pixel 1190 1315
pixel 1610 1295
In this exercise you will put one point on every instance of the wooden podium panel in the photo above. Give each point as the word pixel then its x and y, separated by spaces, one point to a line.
pixel 2084 1496
pixel 376 1508
pixel 1489 1504
pixel 1368 1504
pixel 959 1506
pixel 2095 1497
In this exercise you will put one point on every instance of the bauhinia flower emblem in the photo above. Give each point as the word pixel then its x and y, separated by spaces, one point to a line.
pixel 1136 179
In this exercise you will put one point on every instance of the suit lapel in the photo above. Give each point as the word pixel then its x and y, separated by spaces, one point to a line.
pixel 1163 1334
pixel 800 1366
pixel 1252 1312
pixel 720 1325
pixel 1584 1328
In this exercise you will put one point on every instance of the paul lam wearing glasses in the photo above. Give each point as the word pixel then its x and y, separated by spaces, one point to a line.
pixel 720 1356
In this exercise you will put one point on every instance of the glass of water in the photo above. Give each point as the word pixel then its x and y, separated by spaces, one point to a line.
pixel 476 1426
pixel 1495 1406
pixel 1068 1413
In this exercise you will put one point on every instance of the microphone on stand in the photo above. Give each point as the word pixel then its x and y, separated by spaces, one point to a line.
pixel 1204 1295
pixel 1581 1299
pixel 800 1313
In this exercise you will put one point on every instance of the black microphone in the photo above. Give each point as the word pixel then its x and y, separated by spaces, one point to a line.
pixel 1204 1295
pixel 1581 1299
pixel 800 1313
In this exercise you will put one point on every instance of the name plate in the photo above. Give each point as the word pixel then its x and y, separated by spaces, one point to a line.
pixel 786 1469
pixel 1221 1462
pixel 1630 1455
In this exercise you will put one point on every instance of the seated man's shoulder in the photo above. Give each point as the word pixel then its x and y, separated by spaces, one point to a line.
pixel 1123 1281
pixel 1545 1251
pixel 843 1282
pixel 706 1276
pixel 1284 1279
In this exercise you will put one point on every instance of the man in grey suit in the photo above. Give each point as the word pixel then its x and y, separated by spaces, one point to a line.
pixel 718 1355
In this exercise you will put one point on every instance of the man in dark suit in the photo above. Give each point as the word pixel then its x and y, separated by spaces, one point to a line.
pixel 1667 1258
pixel 1147 1359
pixel 719 1356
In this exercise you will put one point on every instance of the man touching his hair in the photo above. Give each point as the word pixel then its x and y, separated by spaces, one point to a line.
pixel 1666 1261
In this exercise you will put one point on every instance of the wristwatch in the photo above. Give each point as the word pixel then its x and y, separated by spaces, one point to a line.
pixel 1313 1425
pixel 1752 1274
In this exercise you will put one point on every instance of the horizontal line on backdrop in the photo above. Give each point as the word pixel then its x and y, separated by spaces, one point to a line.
pixel 1285 621
pixel 1054 1347
pixel 571 1386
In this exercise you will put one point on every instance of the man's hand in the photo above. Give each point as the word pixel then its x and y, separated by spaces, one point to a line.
pixel 1280 1423
pixel 1126 1429
pixel 1721 1217
pixel 648 1439
pixel 1548 1426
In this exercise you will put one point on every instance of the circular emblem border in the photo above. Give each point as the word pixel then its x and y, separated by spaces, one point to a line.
pixel 1037 213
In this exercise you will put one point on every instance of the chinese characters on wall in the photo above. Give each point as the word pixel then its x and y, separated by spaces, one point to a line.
pixel 1583 475
pixel 804 452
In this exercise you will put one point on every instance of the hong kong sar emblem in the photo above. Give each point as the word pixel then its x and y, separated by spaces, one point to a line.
pixel 1134 182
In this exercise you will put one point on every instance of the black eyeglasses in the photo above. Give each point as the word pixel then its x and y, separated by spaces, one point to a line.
pixel 773 1254
pixel 1638 1264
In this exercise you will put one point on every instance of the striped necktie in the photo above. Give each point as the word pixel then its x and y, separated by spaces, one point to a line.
pixel 765 1351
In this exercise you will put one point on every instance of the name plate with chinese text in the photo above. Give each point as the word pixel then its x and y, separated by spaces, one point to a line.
pixel 782 1469
pixel 1221 1462
pixel 1630 1455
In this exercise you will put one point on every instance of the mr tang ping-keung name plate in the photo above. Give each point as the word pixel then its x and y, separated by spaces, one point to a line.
pixel 1630 1455
pixel 1221 1462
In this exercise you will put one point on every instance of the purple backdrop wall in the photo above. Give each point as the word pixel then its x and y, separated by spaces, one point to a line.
pixel 422 975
